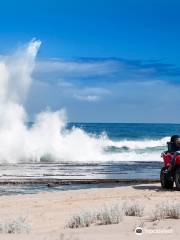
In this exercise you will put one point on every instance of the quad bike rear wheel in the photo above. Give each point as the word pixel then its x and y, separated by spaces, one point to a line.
pixel 166 180
pixel 177 178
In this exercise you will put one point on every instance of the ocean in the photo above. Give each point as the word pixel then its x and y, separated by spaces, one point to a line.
pixel 130 151
pixel 50 148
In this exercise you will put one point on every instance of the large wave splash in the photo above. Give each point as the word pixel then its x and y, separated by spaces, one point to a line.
pixel 48 139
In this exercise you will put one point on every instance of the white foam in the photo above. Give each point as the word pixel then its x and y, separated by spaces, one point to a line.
pixel 48 138
pixel 139 144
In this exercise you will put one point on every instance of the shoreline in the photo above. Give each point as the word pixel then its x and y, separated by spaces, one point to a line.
pixel 54 181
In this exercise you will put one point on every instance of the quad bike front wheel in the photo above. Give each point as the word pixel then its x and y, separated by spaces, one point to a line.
pixel 177 178
pixel 166 180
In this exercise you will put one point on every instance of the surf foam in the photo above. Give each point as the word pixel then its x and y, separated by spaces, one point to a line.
pixel 48 138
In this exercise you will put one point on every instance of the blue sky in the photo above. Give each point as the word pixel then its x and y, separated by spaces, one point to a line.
pixel 102 60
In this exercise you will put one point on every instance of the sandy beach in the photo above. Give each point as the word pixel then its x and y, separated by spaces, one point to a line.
pixel 89 120
pixel 48 212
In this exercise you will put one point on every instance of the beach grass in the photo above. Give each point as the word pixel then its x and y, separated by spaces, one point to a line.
pixel 112 214
pixel 133 209
pixel 166 210
pixel 14 226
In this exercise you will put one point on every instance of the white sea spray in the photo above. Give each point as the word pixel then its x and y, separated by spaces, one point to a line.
pixel 48 138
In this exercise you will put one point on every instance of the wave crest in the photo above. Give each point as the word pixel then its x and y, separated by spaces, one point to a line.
pixel 48 139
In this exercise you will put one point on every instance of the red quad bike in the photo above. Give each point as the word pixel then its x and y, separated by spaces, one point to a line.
pixel 168 178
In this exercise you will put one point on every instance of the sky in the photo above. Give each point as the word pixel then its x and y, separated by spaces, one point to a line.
pixel 101 60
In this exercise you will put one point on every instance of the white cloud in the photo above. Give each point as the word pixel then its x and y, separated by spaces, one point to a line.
pixel 89 94
pixel 125 93
pixel 76 68
pixel 88 98
pixel 104 70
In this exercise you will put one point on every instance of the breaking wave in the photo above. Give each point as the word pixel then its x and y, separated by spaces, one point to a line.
pixel 48 139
